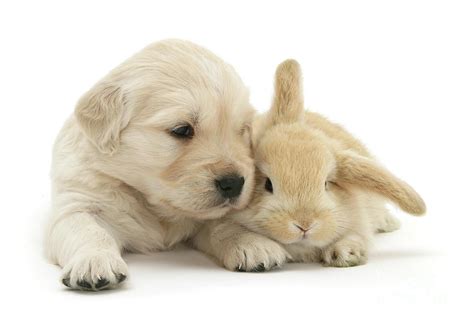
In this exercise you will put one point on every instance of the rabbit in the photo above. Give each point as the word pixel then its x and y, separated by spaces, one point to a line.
pixel 319 195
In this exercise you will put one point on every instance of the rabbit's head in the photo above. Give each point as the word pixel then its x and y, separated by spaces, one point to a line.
pixel 304 178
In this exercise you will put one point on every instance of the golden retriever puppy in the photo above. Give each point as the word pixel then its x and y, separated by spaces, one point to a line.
pixel 155 148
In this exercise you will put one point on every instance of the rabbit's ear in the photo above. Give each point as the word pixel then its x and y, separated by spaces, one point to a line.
pixel 287 106
pixel 364 172
pixel 101 114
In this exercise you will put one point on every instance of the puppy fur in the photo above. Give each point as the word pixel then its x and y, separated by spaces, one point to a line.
pixel 319 194
pixel 121 181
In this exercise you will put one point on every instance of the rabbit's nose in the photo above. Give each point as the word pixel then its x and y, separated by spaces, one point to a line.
pixel 305 227
pixel 301 228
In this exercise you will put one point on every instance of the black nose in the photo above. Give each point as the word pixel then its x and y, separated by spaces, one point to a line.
pixel 230 186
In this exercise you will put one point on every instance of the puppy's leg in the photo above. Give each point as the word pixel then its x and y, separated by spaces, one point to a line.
pixel 239 249
pixel 87 252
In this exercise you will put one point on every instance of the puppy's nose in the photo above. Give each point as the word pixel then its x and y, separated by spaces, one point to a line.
pixel 230 186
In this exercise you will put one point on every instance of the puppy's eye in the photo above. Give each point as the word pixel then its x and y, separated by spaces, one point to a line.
pixel 183 131
pixel 269 185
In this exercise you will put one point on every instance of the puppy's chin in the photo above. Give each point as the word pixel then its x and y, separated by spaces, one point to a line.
pixel 198 206
pixel 207 214
pixel 204 213
pixel 213 213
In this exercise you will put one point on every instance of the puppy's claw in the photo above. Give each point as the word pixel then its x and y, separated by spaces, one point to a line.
pixel 84 284
pixel 66 282
pixel 259 268
pixel 101 283
pixel 275 266
pixel 121 277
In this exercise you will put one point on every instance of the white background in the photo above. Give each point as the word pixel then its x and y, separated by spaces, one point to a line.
pixel 398 74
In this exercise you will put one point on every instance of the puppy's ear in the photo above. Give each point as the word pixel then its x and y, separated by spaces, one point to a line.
pixel 288 105
pixel 102 114
pixel 366 173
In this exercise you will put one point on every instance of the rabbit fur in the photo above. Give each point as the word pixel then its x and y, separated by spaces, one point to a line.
pixel 319 195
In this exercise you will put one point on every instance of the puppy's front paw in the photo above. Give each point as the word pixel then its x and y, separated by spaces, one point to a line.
pixel 345 253
pixel 94 271
pixel 254 253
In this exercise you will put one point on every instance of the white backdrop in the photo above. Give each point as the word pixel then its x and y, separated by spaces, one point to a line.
pixel 398 74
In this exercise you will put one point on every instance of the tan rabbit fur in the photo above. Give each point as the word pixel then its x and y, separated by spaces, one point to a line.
pixel 319 193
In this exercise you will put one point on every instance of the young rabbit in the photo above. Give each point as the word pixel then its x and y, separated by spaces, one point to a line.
pixel 319 193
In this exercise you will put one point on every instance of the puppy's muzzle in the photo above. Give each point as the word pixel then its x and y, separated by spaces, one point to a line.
pixel 230 186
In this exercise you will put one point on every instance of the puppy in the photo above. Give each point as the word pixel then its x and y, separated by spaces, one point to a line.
pixel 156 147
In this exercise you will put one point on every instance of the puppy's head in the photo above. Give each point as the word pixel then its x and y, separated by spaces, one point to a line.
pixel 173 122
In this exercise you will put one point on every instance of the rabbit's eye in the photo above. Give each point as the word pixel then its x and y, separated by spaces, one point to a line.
pixel 328 185
pixel 268 185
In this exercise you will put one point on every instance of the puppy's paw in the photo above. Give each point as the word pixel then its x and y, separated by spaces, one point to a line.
pixel 254 253
pixel 345 253
pixel 387 223
pixel 94 271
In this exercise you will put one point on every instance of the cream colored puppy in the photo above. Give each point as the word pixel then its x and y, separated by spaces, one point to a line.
pixel 156 147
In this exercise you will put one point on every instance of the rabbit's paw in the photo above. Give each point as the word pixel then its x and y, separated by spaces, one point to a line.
pixel 254 253
pixel 350 251
pixel 387 223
